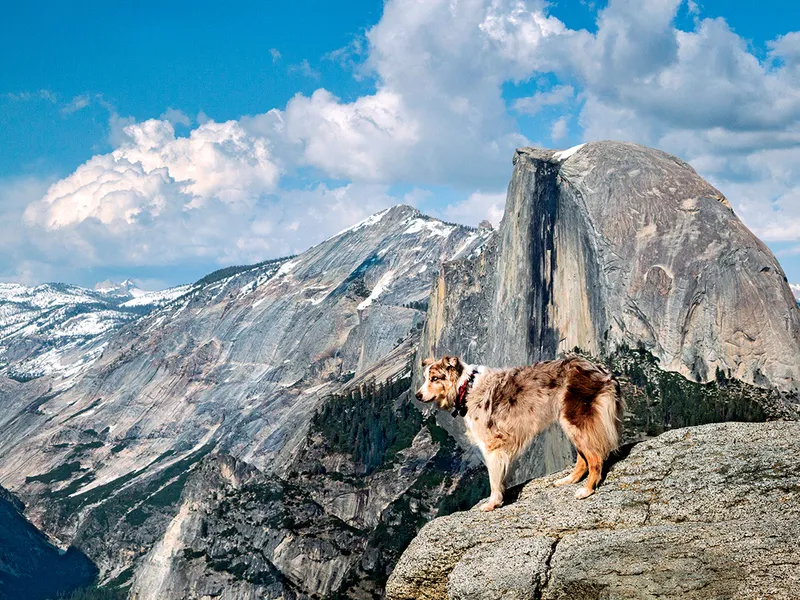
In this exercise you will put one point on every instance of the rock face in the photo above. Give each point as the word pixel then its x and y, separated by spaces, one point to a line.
pixel 31 567
pixel 334 528
pixel 238 365
pixel 696 513
pixel 610 244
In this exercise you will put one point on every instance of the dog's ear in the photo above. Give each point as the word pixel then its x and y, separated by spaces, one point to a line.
pixel 451 362
pixel 428 361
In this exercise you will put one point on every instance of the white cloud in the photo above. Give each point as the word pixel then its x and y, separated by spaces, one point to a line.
pixel 18 259
pixel 367 140
pixel 76 104
pixel 176 117
pixel 275 54
pixel 438 116
pixel 305 69
pixel 26 96
pixel 531 105
pixel 559 130
pixel 157 198
pixel 477 207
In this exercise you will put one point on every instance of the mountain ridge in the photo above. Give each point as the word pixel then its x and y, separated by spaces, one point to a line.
pixel 294 374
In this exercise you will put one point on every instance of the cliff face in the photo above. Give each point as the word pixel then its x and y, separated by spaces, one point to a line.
pixel 372 470
pixel 611 244
pixel 31 567
pixel 697 513
pixel 238 365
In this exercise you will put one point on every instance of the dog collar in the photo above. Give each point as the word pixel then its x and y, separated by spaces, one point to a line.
pixel 460 409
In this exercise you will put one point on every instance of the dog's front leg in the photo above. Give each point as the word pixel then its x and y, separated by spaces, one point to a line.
pixel 497 463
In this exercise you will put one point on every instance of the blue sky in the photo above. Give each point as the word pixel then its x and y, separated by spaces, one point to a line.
pixel 180 137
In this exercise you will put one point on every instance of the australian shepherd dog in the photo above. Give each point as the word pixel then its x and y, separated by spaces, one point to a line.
pixel 505 409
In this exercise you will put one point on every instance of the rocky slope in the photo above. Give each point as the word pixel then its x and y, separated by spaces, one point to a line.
pixel 239 365
pixel 31 567
pixel 696 513
pixel 612 244
pixel 372 471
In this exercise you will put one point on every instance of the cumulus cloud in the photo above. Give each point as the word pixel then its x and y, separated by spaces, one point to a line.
pixel 176 117
pixel 477 207
pixel 157 197
pixel 531 105
pixel 212 197
pixel 438 116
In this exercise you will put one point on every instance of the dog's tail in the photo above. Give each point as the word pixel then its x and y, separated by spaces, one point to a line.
pixel 609 413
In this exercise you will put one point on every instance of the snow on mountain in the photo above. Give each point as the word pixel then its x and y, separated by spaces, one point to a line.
pixel 57 328
pixel 156 299
pixel 246 355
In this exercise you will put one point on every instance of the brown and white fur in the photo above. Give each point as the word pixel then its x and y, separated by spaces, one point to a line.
pixel 507 408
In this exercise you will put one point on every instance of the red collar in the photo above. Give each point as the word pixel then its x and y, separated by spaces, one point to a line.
pixel 460 409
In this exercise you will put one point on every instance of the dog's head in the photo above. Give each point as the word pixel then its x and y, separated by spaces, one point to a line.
pixel 441 381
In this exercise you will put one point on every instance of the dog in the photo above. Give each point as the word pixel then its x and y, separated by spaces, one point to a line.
pixel 505 409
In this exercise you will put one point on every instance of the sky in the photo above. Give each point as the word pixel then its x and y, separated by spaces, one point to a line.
pixel 161 141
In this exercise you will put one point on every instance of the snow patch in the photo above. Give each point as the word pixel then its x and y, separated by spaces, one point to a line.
pixel 795 287
pixel 160 298
pixel 371 220
pixel 380 288
pixel 287 267
pixel 565 154
pixel 434 227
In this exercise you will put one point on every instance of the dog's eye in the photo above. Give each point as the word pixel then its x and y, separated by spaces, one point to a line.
pixel 435 378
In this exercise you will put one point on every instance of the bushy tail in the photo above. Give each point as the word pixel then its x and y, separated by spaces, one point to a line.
pixel 610 412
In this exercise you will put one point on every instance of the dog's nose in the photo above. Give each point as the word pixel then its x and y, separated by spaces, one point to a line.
pixel 419 395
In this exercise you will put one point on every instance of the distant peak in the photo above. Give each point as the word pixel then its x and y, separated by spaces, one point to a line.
pixel 104 285
pixel 109 286
pixel 404 210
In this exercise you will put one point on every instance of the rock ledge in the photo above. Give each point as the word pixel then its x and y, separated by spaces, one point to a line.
pixel 701 512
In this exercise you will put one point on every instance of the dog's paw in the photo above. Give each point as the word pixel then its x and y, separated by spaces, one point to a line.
pixel 563 481
pixel 584 493
pixel 490 506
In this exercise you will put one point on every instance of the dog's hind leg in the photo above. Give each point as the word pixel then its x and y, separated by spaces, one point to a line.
pixel 497 462
pixel 595 475
pixel 577 473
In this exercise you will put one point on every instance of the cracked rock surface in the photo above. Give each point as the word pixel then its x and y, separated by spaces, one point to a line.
pixel 701 512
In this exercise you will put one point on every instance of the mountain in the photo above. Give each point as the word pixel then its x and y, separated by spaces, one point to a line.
pixel 256 436
pixel 701 513
pixel 238 366
pixel 612 246
pixel 59 329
